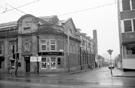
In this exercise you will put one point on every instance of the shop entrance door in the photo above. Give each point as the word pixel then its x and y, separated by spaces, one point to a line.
pixel 51 62
pixel 27 64
pixel 48 63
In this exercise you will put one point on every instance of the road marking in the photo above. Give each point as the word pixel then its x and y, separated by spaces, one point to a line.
pixel 35 84
pixel 109 83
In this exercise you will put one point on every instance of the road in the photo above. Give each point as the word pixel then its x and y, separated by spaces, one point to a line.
pixel 97 78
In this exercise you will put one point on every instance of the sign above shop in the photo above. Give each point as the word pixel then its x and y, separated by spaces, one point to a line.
pixel 51 53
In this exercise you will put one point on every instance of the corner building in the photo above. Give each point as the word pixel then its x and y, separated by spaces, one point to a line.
pixel 126 19
pixel 44 43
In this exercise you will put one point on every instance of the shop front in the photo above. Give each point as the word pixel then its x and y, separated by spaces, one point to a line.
pixel 51 61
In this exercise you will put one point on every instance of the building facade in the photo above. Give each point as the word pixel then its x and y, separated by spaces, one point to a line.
pixel 126 20
pixel 87 49
pixel 43 44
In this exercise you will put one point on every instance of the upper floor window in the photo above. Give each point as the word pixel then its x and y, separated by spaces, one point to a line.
pixel 43 45
pixel 1 49
pixel 12 48
pixel 128 4
pixel 127 25
pixel 133 4
pixel 52 44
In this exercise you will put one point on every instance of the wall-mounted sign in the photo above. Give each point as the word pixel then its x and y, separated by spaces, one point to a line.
pixel 51 53
pixel 35 59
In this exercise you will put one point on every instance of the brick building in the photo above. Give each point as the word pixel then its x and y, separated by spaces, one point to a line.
pixel 41 44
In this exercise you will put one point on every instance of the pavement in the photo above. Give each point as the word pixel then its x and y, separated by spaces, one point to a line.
pixel 120 73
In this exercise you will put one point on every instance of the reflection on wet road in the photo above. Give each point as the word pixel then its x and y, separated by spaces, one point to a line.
pixel 99 78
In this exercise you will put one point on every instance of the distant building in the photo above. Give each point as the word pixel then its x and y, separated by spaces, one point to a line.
pixel 45 44
pixel 126 20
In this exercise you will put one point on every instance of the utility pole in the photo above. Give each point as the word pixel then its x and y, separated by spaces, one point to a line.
pixel 110 52
pixel 16 58
pixel 68 53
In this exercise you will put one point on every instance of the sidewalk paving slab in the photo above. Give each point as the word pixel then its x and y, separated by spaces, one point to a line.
pixel 121 73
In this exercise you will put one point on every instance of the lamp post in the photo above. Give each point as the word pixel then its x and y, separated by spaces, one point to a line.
pixel 110 52
pixel 37 65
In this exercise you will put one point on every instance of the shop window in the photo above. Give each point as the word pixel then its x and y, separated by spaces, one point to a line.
pixel 53 63
pixel 43 63
pixel 127 26
pixel 126 5
pixel 130 49
pixel 52 45
pixel 59 61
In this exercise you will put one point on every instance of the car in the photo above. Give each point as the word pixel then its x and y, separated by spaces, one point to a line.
pixel 111 66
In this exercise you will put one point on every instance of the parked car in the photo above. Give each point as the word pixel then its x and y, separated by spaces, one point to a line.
pixel 111 66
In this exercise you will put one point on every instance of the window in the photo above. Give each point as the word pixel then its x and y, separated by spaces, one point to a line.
pixel 53 63
pixel 127 25
pixel 130 49
pixel 1 49
pixel 59 61
pixel 126 5
pixel 133 4
pixel 52 44
pixel 12 48
pixel 134 24
pixel 43 45
pixel 43 63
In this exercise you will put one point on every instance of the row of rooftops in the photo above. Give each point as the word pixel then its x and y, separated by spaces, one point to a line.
pixel 49 19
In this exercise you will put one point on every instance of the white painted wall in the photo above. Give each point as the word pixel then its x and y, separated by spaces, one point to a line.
pixel 128 63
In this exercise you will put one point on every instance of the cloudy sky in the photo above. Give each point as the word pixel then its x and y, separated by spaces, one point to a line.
pixel 86 14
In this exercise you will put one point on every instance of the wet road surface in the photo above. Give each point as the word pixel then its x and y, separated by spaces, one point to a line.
pixel 98 78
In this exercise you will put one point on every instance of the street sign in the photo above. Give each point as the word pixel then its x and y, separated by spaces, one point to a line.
pixel 110 51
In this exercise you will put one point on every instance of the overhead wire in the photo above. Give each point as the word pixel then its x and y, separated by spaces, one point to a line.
pixel 13 7
pixel 18 6
pixel 87 9
pixel 115 2
pixel 24 5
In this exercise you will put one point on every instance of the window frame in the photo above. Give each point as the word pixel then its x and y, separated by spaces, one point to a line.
pixel 50 44
pixel 125 26
pixel 43 62
pixel 11 45
pixel 55 61
pixel 130 5
pixel 132 25
pixel 43 44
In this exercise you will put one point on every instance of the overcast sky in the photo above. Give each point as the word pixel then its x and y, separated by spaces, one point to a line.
pixel 86 14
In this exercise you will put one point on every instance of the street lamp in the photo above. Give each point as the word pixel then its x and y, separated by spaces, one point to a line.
pixel 37 65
